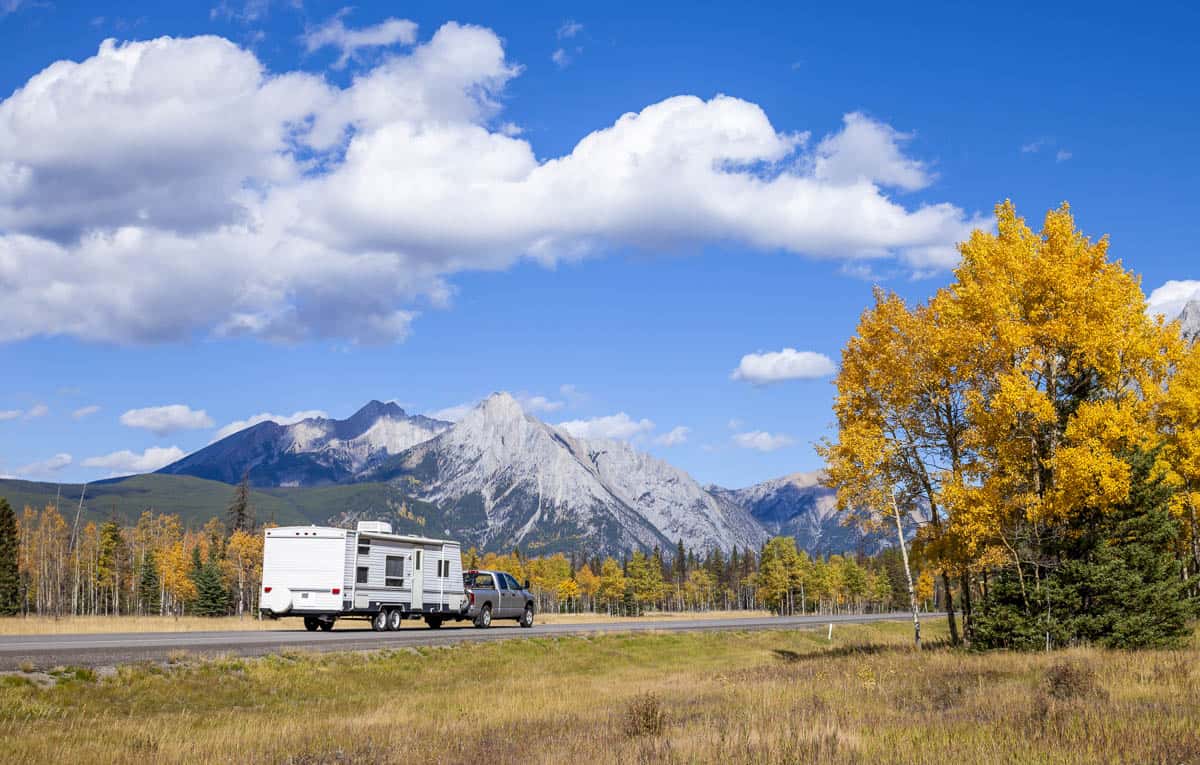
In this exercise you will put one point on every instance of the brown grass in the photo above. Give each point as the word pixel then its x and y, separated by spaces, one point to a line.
pixel 48 625
pixel 748 697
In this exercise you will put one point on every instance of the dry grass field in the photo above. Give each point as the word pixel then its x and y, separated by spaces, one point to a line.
pixel 751 697
pixel 73 625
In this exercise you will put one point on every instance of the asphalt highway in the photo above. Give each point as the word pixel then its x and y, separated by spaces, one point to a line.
pixel 44 651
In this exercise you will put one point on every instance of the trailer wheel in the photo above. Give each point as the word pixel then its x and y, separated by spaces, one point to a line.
pixel 394 619
pixel 311 623
pixel 379 622
pixel 484 620
pixel 527 617
pixel 434 622
pixel 327 626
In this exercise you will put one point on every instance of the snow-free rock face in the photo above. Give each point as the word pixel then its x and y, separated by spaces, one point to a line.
pixel 1189 320
pixel 313 452
pixel 512 480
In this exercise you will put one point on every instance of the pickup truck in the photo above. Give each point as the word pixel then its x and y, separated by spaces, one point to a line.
pixel 497 595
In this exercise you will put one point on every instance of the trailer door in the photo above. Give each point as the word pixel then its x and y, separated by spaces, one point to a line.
pixel 418 580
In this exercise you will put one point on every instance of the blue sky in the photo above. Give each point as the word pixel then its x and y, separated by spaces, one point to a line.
pixel 317 206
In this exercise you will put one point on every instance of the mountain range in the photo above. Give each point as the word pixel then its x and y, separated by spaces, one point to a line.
pixel 499 478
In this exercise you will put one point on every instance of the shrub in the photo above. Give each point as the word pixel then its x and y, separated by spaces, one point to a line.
pixel 645 716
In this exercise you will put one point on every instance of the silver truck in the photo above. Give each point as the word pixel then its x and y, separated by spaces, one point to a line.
pixel 497 595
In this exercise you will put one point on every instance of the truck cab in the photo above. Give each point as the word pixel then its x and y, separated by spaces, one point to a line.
pixel 497 595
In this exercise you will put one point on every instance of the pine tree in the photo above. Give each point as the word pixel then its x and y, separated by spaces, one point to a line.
pixel 10 580
pixel 679 564
pixel 240 512
pixel 149 585
pixel 211 597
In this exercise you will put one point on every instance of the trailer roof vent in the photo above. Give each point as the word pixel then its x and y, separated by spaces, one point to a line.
pixel 375 527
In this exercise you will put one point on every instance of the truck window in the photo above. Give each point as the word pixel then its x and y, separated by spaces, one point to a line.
pixel 360 576
pixel 394 571
pixel 511 583
pixel 482 581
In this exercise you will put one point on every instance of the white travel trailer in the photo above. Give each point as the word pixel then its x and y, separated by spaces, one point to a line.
pixel 323 574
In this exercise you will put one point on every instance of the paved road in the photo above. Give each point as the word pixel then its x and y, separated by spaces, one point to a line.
pixel 99 649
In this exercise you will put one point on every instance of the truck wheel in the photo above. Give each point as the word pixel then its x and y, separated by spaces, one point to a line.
pixel 327 626
pixel 434 622
pixel 484 620
pixel 379 621
pixel 527 617
pixel 394 619
pixel 311 623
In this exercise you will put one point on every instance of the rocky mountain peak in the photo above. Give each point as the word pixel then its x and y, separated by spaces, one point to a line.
pixel 1189 320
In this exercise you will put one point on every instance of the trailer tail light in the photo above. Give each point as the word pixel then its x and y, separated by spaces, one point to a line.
pixel 336 591
pixel 266 589
pixel 470 597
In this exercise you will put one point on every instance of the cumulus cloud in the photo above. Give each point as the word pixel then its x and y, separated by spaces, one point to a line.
pixel 84 411
pixel 281 419
pixel 1169 299
pixel 618 426
pixel 1062 155
pixel 452 413
pixel 762 441
pixel 225 199
pixel 334 33
pixel 47 466
pixel 561 58
pixel 164 420
pixel 534 404
pixel 674 437
pixel 10 414
pixel 569 29
pixel 36 411
pixel 126 462
pixel 777 366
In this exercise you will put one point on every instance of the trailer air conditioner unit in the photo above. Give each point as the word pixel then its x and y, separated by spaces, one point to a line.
pixel 375 527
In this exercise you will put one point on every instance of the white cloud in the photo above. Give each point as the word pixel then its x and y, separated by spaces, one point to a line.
pixel 1169 299
pixel 1033 147
pixel 125 462
pixel 163 420
pixel 735 423
pixel 618 426
pixel 10 414
pixel 569 29
pixel 1062 155
pixel 452 413
pixel 674 437
pixel 84 411
pixel 334 33
pixel 572 394
pixel 561 58
pixel 762 441
pixel 534 404
pixel 281 419
pixel 224 199
pixel 788 364
pixel 36 411
pixel 866 151
pixel 46 467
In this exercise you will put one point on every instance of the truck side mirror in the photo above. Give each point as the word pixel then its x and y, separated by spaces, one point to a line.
pixel 527 584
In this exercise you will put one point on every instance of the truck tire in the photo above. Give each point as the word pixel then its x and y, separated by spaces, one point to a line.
pixel 379 621
pixel 484 620
pixel 327 625
pixel 395 619
pixel 434 622
pixel 311 623
pixel 527 617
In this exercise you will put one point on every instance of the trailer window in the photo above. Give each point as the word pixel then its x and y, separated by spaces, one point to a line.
pixel 360 576
pixel 364 546
pixel 394 573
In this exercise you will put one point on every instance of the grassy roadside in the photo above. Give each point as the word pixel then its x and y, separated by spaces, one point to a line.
pixel 762 697
pixel 77 625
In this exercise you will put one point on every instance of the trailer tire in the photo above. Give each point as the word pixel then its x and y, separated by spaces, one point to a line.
pixel 327 625
pixel 379 622
pixel 527 617
pixel 434 622
pixel 311 623
pixel 394 619
pixel 484 620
